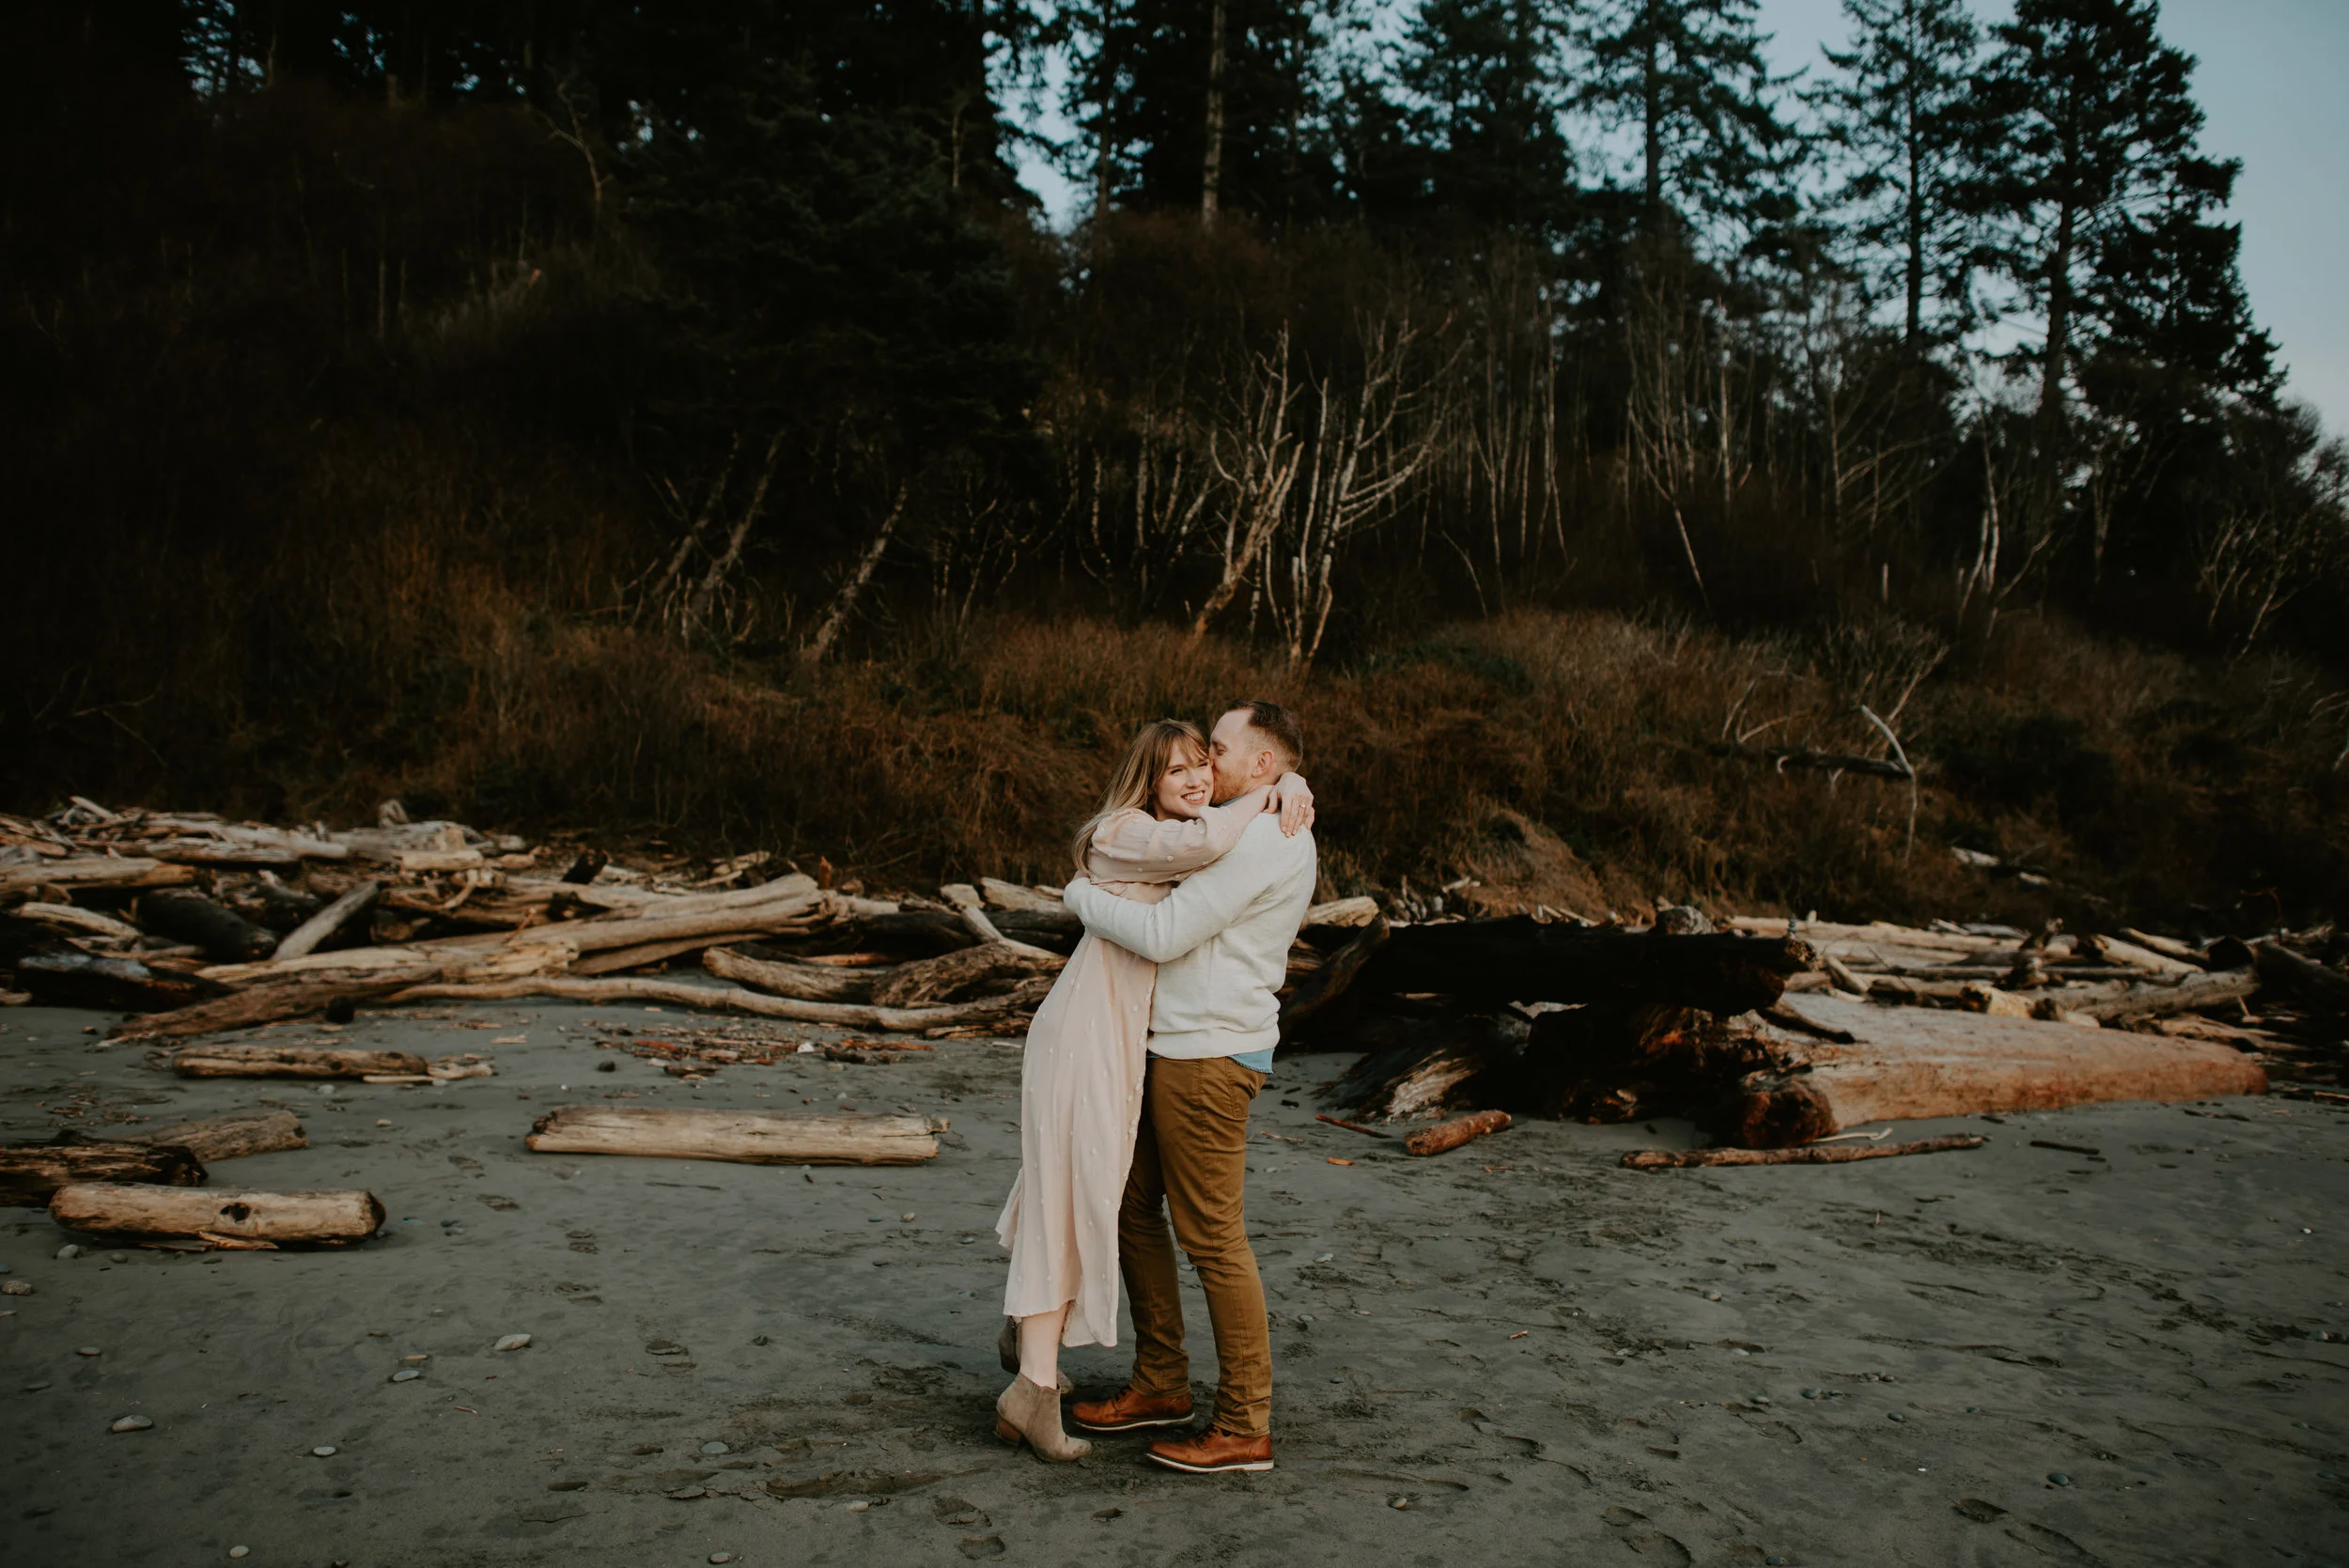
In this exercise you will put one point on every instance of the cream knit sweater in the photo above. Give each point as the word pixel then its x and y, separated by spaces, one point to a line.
pixel 1220 941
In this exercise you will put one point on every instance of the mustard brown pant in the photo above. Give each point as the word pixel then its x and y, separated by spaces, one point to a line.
pixel 1191 1162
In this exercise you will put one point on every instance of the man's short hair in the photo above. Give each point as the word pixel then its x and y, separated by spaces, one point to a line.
pixel 1277 724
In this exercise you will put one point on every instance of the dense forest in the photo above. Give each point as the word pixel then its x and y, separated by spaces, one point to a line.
pixel 678 421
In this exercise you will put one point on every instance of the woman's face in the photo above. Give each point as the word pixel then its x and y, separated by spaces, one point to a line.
pixel 1184 787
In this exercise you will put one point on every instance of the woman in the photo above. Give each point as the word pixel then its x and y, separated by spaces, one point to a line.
pixel 1081 1081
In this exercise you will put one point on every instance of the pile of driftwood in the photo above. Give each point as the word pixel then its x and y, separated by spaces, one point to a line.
pixel 1770 1033
pixel 1773 1034
pixel 195 924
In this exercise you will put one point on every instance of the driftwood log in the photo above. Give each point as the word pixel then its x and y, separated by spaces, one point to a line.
pixel 2305 978
pixel 224 936
pixel 1814 1153
pixel 1911 1063
pixel 1520 959
pixel 241 1220
pixel 96 870
pixel 331 922
pixel 69 978
pixel 73 918
pixel 230 1136
pixel 259 1005
pixel 1340 970
pixel 29 1173
pixel 1446 1136
pixel 293 1062
pixel 785 978
pixel 748 1136
pixel 926 981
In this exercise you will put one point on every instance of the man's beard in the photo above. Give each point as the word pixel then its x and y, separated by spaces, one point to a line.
pixel 1225 790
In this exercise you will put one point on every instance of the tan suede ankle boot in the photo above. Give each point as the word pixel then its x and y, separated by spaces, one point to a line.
pixel 1029 1412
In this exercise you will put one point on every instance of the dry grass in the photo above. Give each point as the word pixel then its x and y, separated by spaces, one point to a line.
pixel 1557 758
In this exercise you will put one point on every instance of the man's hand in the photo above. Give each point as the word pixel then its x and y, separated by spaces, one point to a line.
pixel 1294 801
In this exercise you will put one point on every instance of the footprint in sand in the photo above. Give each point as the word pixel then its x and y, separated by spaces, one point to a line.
pixel 1647 1542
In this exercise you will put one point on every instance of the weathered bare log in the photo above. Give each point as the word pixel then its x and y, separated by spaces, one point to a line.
pixel 1325 984
pixel 2305 978
pixel 806 981
pixel 1011 896
pixel 1831 1154
pixel 2124 954
pixel 29 1173
pixel 97 871
pixel 749 1137
pixel 512 951
pixel 2169 947
pixel 1520 959
pixel 1910 1063
pixel 330 922
pixel 1450 1135
pixel 1344 911
pixel 619 960
pixel 261 1004
pixel 732 999
pixel 224 935
pixel 2160 1000
pixel 291 1062
pixel 73 979
pixel 73 917
pixel 929 981
pixel 241 1220
pixel 230 1136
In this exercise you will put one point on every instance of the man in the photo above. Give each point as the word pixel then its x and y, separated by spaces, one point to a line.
pixel 1222 943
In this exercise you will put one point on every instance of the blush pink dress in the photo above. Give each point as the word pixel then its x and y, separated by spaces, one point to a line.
pixel 1081 1080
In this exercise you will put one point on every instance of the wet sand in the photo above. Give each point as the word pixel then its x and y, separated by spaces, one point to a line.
pixel 1513 1354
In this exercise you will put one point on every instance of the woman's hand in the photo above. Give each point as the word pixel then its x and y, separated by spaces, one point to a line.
pixel 1294 801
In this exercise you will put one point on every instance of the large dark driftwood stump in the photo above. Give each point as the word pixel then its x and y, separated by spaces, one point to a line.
pixel 1520 959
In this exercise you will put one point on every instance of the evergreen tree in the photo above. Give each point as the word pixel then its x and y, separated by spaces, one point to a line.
pixel 2096 199
pixel 1482 93
pixel 1689 76
pixel 1899 110
pixel 1272 98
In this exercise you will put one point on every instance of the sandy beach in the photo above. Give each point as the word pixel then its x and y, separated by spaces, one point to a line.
pixel 1516 1353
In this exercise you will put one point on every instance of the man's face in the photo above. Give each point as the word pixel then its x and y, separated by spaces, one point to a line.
pixel 1242 760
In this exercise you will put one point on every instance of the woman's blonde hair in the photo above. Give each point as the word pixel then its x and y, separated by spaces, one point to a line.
pixel 1136 781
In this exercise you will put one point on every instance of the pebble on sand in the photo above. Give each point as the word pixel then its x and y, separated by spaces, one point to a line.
pixel 240 1551
pixel 16 1287
pixel 68 1250
pixel 88 1350
pixel 132 1424
pixel 722 1557
pixel 325 1450
pixel 118 1257
pixel 2057 1478
pixel 406 1375
pixel 716 1448
pixel 512 1341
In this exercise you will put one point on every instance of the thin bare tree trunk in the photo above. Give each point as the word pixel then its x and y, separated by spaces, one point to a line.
pixel 828 631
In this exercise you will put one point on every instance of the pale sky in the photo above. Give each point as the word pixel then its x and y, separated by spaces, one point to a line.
pixel 2274 81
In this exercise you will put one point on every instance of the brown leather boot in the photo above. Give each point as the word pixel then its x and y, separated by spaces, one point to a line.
pixel 1130 1410
pixel 1212 1452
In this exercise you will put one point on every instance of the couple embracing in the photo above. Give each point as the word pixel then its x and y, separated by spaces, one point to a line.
pixel 1140 1067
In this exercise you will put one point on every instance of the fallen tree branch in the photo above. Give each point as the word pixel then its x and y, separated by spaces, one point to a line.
pixel 1675 1160
pixel 721 998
